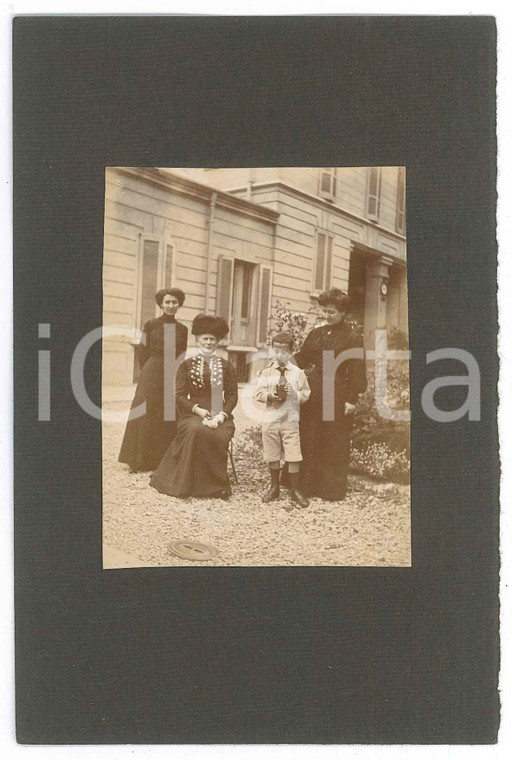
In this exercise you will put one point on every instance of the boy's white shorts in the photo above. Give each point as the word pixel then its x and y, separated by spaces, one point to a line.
pixel 281 440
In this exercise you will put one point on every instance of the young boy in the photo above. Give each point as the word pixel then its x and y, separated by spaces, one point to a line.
pixel 282 386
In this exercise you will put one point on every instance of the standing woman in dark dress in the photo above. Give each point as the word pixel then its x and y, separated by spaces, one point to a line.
pixel 326 444
pixel 147 437
pixel 196 462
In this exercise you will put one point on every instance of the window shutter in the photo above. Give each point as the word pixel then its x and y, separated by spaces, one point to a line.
pixel 328 183
pixel 320 261
pixel 224 288
pixel 400 201
pixel 265 302
pixel 246 290
pixel 149 280
pixel 328 264
pixel 373 193
pixel 325 185
pixel 169 264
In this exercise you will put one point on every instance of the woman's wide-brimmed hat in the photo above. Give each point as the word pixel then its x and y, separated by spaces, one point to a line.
pixel 206 323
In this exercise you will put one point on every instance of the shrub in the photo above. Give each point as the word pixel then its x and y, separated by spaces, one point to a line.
pixel 371 427
pixel 248 453
pixel 397 340
pixel 299 323
pixel 376 439
pixel 378 461
pixel 249 440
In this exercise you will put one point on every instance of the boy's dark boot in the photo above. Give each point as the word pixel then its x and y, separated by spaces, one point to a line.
pixel 273 492
pixel 295 492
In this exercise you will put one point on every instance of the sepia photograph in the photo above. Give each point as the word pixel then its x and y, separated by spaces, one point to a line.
pixel 255 367
pixel 255 446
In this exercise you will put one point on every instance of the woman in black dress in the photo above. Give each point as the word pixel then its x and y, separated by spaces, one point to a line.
pixel 195 463
pixel 147 437
pixel 326 444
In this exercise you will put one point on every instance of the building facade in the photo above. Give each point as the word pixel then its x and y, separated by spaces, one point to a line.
pixel 239 241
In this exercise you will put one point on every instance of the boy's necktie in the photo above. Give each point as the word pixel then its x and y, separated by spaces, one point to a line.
pixel 281 383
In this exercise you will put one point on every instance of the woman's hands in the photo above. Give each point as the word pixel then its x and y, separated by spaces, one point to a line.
pixel 206 417
pixel 214 422
pixel 203 413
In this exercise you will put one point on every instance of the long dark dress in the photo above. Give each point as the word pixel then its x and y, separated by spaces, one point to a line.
pixel 146 438
pixel 326 444
pixel 196 462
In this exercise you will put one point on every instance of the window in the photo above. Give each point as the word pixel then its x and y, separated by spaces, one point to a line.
pixel 155 271
pixel 327 187
pixel 169 266
pixel 244 298
pixel 225 288
pixel 373 197
pixel 265 303
pixel 400 201
pixel 323 261
pixel 242 319
pixel 149 283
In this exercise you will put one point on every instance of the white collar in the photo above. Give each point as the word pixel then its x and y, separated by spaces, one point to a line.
pixel 288 365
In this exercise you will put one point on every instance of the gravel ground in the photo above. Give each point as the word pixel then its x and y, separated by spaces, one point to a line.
pixel 370 527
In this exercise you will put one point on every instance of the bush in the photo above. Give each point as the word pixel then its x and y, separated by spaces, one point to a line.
pixel 375 459
pixel 300 323
pixel 378 461
pixel 248 453
pixel 376 439
pixel 397 340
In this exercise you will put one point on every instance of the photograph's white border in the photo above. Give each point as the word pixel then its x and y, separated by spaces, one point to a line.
pixel 269 8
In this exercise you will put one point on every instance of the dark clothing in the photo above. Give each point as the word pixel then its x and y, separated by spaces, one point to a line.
pixel 190 392
pixel 196 462
pixel 146 438
pixel 326 444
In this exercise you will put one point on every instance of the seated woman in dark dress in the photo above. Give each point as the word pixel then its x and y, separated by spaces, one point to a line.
pixel 325 443
pixel 195 463
pixel 147 437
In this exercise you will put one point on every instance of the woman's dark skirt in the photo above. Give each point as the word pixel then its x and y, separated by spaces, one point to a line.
pixel 147 438
pixel 196 462
pixel 326 452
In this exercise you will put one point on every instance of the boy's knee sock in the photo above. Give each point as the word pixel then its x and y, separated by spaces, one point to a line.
pixel 274 475
pixel 272 492
pixel 294 480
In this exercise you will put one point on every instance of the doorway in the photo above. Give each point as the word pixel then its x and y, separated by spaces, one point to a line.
pixel 357 286
pixel 242 324
pixel 239 361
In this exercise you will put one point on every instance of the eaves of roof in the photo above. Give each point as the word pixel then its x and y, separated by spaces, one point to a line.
pixel 185 186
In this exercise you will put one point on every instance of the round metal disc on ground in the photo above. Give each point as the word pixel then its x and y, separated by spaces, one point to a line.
pixel 193 550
